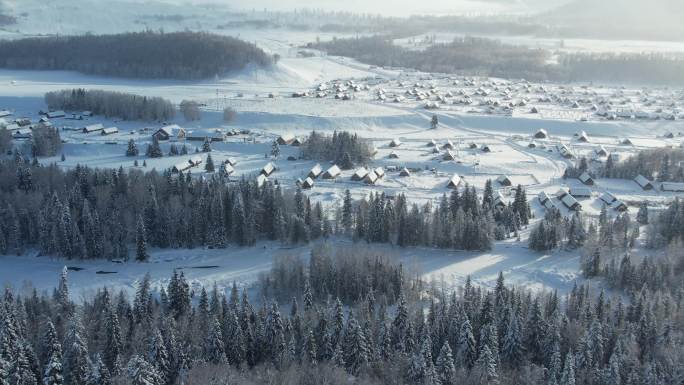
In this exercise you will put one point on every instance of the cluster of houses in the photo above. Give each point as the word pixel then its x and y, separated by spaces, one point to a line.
pixel 22 128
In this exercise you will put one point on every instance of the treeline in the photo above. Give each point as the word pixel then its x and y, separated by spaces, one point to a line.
pixel 488 57
pixel 652 68
pixel 343 148
pixel 178 335
pixel 468 55
pixel 662 164
pixel 460 221
pixel 148 55
pixel 667 228
pixel 94 213
pixel 348 274
pixel 111 104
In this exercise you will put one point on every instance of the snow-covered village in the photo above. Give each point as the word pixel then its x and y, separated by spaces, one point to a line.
pixel 286 192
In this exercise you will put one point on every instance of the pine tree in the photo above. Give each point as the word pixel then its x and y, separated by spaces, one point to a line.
pixel 642 215
pixel 209 165
pixel 113 344
pixel 355 346
pixel 446 370
pixel 141 254
pixel 466 353
pixel 213 349
pixel 206 146
pixel 485 367
pixel 275 149
pixel 76 364
pixel 512 350
pixel 154 149
pixel 141 372
pixel 132 149
pixel 53 374
pixel 568 376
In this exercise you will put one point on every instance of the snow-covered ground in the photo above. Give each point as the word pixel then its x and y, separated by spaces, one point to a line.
pixel 485 112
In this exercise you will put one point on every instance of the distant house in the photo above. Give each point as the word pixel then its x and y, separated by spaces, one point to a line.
pixel 504 180
pixel 87 113
pixel 110 131
pixel 644 183
pixel 586 179
pixel 360 174
pixel 231 161
pixel 227 169
pixel 93 128
pixel 380 172
pixel 485 148
pixel 672 187
pixel 22 133
pixel 541 134
pixel 472 146
pixel 315 171
pixel 608 198
pixel 600 151
pixel 543 197
pixel 308 183
pixel 168 132
pixel 449 156
pixel 532 144
pixel 499 202
pixel 570 202
pixel 432 143
pixel 371 178
pixel 561 192
pixel 56 114
pixel 297 142
pixel 627 142
pixel 669 135
pixel 180 167
pixel 286 139
pixel 214 135
pixel 405 172
pixel 448 145
pixel 454 182
pixel 393 155
pixel 580 192
pixel 195 160
pixel 619 206
pixel 268 169
pixel 261 179
pixel 332 173
pixel 582 137
pixel 565 152
pixel 395 143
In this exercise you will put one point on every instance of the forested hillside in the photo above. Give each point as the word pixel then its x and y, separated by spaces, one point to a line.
pixel 111 104
pixel 147 55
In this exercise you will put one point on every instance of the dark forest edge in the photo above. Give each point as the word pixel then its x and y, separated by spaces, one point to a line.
pixel 388 329
pixel 144 55
pixel 476 56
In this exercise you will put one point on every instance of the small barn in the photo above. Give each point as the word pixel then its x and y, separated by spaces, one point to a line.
pixel 582 137
pixel 644 183
pixel 226 169
pixel 393 155
pixel 541 134
pixel 395 143
pixel 586 179
pixel 169 132
pixel 297 142
pixel 627 142
pixel 485 148
pixel 532 144
pixel 600 151
pixel 23 133
pixel 449 155
pixel 110 131
pixel 180 167
pixel 380 172
pixel 448 145
pixel 672 187
pixel 472 146
pixel 432 143
pixel 543 197
pixel 261 179
pixel 371 178
pixel 332 173
pixel 619 206
pixel 315 171
pixel 565 152
pixel 308 183
pixel 454 182
pixel 56 114
pixel 504 180
pixel 195 160
pixel 268 169
pixel 580 192
pixel 608 198
pixel 231 161
pixel 404 172
pixel 286 139
pixel 360 174
pixel 93 128
pixel 570 202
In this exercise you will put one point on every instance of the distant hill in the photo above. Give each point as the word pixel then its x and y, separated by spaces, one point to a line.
pixel 619 19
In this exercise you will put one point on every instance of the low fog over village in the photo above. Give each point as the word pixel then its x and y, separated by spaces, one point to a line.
pixel 207 192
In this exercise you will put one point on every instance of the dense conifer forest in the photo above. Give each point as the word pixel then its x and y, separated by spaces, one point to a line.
pixel 146 55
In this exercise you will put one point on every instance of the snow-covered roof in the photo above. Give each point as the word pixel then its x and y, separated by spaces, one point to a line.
pixel 585 178
pixel 543 197
pixel 570 202
pixel 268 169
pixel 261 179
pixel 395 143
pixel 371 177
pixel 360 174
pixel 93 127
pixel 332 172
pixel 454 181
pixel 608 197
pixel 110 130
pixel 642 181
pixel 405 172
pixel 227 168
pixel 379 171
pixel 580 191
pixel 315 171
pixel 308 183
pixel 673 187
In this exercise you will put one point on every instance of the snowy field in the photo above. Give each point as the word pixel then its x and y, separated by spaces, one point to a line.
pixel 384 105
